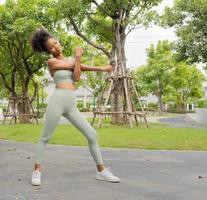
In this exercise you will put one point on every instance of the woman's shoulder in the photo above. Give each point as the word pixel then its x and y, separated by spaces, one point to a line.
pixel 51 61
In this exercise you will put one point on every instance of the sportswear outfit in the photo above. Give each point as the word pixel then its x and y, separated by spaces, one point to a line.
pixel 63 103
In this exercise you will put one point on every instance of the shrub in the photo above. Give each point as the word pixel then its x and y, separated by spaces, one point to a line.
pixel 41 114
pixel 152 105
pixel 202 103
pixel 80 103
pixel 180 111
pixel 146 109
pixel 42 105
pixel 84 109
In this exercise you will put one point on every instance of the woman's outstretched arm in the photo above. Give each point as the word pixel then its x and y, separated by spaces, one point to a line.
pixel 107 68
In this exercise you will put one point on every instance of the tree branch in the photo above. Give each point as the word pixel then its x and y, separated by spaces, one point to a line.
pixel 129 8
pixel 134 17
pixel 128 21
pixel 11 54
pixel 13 82
pixel 133 27
pixel 78 32
pixel 4 82
pixel 21 42
pixel 35 90
pixel 101 9
pixel 97 22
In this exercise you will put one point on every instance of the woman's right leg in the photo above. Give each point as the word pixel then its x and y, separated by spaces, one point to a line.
pixel 52 116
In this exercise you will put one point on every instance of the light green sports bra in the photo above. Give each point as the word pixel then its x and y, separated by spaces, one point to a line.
pixel 63 75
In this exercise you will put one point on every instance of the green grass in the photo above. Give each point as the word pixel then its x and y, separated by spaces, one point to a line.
pixel 158 136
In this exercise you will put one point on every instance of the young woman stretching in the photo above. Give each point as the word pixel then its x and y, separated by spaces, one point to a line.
pixel 63 102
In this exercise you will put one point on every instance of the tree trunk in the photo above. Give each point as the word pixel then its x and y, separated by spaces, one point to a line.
pixel 159 96
pixel 23 105
pixel 117 95
pixel 160 104
pixel 117 102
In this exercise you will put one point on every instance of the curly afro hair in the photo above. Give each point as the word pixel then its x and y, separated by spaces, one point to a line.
pixel 38 40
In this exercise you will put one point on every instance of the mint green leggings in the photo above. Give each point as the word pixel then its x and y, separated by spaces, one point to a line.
pixel 63 103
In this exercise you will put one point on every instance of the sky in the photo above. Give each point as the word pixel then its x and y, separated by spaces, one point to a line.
pixel 140 39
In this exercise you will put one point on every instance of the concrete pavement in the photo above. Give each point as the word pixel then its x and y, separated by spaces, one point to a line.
pixel 69 174
pixel 183 121
pixel 200 116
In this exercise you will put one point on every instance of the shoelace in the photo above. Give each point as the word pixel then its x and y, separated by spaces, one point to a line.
pixel 109 168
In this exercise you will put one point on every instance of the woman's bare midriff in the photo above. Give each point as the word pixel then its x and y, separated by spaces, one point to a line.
pixel 69 86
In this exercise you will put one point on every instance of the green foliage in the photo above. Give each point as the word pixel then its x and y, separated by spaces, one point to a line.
pixel 187 82
pixel 152 105
pixel 180 111
pixel 94 21
pixel 168 79
pixel 18 64
pixel 94 81
pixel 202 103
pixel 79 103
pixel 84 109
pixel 155 77
pixel 101 26
pixel 42 105
pixel 3 92
pixel 189 20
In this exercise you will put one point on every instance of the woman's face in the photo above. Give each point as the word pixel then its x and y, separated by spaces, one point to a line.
pixel 54 46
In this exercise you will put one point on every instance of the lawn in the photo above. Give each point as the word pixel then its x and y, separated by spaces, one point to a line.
pixel 158 136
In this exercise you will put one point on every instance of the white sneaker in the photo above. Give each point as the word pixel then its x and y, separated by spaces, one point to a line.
pixel 36 178
pixel 106 175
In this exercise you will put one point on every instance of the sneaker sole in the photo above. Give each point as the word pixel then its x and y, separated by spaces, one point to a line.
pixel 103 179
pixel 35 184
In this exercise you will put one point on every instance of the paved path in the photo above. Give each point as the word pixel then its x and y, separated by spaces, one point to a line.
pixel 182 121
pixel 68 174
pixel 200 116
pixel 179 120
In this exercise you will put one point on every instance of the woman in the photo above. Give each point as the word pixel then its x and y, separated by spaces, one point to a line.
pixel 63 102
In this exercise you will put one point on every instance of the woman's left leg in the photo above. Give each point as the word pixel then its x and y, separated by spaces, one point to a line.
pixel 76 118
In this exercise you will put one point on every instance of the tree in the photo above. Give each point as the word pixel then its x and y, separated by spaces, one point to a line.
pixel 105 26
pixel 169 79
pixel 18 63
pixel 155 77
pixel 94 81
pixel 189 19
pixel 187 83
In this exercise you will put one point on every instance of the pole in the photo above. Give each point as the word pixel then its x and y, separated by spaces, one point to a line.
pixel 42 94
pixel 38 113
